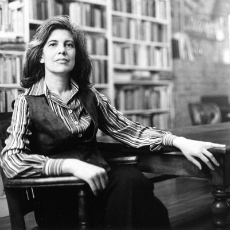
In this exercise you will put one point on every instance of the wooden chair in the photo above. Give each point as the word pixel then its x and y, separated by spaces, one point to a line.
pixel 223 103
pixel 19 192
pixel 204 113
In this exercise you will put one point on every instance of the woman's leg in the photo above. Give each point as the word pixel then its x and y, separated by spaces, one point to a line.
pixel 55 207
pixel 130 203
pixel 127 203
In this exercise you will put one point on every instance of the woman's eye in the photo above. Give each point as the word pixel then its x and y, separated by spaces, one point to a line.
pixel 52 44
pixel 70 45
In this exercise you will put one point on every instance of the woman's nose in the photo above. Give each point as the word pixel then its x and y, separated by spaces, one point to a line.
pixel 61 49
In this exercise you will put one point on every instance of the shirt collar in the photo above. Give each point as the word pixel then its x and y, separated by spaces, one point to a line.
pixel 40 88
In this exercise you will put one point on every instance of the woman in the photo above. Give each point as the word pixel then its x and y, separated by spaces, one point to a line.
pixel 53 133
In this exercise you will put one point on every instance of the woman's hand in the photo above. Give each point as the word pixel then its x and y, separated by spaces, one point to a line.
pixel 192 149
pixel 95 176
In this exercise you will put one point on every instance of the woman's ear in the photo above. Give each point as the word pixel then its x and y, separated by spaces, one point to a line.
pixel 41 60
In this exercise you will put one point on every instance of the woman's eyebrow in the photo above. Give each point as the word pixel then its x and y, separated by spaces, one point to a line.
pixel 69 40
pixel 53 40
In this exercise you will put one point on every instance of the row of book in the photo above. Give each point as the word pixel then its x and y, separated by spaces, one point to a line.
pixel 158 57
pixel 99 73
pixel 96 44
pixel 137 29
pixel 43 9
pixel 12 45
pixel 7 96
pixel 133 97
pixel 11 16
pixel 11 68
pixel 149 8
pixel 141 55
pixel 155 120
pixel 85 14
pixel 11 40
pixel 182 47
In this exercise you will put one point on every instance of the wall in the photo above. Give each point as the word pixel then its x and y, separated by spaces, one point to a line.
pixel 3 203
pixel 203 66
pixel 194 79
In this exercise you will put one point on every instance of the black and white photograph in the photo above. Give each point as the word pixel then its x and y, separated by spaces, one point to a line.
pixel 114 114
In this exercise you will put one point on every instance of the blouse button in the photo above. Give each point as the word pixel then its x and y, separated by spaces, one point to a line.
pixel 76 122
pixel 80 135
pixel 70 111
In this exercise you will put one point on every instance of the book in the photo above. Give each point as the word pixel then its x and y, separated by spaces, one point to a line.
pixel 7 97
pixel 87 14
pixel 11 67
pixel 44 9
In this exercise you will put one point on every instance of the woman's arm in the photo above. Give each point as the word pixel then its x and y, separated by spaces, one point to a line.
pixel 95 176
pixel 16 158
pixel 18 161
pixel 116 125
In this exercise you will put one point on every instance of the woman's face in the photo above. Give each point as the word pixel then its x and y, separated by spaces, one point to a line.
pixel 59 53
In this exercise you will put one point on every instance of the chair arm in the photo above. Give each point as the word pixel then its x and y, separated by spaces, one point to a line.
pixel 61 180
pixel 127 160
pixel 43 182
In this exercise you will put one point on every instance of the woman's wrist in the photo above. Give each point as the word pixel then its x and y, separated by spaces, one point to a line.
pixel 53 167
pixel 178 141
pixel 71 166
pixel 67 167
pixel 168 139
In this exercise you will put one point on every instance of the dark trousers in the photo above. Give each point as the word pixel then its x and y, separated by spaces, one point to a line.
pixel 128 202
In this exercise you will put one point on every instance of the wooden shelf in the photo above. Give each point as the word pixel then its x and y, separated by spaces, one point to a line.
pixel 141 42
pixel 35 22
pixel 101 86
pixel 95 2
pixel 140 17
pixel 14 52
pixel 146 68
pixel 104 44
pixel 99 57
pixel 94 29
pixel 10 35
pixel 10 86
pixel 16 5
pixel 145 112
pixel 143 83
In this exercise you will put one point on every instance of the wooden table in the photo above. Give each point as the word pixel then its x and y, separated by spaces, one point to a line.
pixel 171 161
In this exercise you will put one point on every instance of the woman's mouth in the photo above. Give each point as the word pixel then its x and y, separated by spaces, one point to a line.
pixel 62 61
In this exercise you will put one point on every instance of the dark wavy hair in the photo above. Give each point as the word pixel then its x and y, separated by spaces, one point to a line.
pixel 33 70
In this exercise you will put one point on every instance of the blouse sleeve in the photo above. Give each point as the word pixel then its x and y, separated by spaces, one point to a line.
pixel 116 125
pixel 16 158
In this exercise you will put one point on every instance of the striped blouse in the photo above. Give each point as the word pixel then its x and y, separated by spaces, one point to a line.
pixel 16 158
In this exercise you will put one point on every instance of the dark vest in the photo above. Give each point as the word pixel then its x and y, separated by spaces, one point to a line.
pixel 51 137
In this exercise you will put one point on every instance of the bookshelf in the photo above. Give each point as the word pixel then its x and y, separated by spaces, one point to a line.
pixel 141 46
pixel 12 47
pixel 128 41
pixel 92 19
pixel 36 11
pixel 147 102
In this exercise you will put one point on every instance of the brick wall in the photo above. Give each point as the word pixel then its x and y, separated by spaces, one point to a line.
pixel 206 74
pixel 192 79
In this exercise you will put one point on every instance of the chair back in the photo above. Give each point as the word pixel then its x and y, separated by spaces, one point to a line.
pixel 5 120
pixel 204 113
pixel 19 191
pixel 19 200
